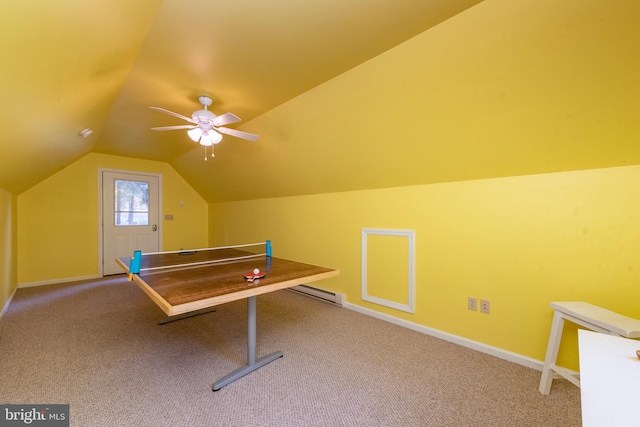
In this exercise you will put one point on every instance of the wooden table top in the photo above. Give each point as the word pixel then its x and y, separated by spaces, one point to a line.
pixel 182 290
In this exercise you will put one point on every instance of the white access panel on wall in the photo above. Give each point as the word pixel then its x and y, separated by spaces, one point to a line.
pixel 388 268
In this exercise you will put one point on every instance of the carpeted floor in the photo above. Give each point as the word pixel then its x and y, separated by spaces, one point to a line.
pixel 97 346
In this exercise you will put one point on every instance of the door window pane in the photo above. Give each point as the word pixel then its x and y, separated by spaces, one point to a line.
pixel 131 203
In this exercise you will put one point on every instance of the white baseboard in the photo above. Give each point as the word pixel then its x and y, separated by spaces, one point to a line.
pixel 56 281
pixel 474 345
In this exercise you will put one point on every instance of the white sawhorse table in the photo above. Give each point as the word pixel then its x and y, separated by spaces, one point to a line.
pixel 588 316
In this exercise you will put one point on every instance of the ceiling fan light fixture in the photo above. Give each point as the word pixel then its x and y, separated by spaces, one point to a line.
pixel 215 136
pixel 195 134
pixel 210 137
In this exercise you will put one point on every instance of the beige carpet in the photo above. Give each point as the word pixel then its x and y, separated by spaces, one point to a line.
pixel 97 346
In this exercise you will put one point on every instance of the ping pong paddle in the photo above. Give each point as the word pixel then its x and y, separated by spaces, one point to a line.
pixel 254 275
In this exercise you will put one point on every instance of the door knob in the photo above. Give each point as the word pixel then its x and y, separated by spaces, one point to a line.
pixel 154 227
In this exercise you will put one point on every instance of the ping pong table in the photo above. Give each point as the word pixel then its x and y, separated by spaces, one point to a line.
pixel 184 283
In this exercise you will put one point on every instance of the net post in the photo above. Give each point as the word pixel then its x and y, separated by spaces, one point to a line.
pixel 269 248
pixel 134 265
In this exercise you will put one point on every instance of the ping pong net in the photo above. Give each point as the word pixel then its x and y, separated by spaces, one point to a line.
pixel 151 261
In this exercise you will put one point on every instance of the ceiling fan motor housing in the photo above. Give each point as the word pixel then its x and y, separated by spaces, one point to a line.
pixel 203 117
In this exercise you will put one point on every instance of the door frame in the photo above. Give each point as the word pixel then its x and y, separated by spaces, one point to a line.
pixel 101 172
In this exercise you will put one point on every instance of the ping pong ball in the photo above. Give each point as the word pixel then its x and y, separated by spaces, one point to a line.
pixel 256 271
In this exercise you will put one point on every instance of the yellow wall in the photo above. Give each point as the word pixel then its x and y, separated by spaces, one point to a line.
pixel 517 92
pixel 519 242
pixel 8 247
pixel 58 218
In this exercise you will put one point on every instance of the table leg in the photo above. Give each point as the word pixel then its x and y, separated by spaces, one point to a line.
pixel 252 363
pixel 552 353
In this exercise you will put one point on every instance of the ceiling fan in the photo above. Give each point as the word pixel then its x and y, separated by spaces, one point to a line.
pixel 206 128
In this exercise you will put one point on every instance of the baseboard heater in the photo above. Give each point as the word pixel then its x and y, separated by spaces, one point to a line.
pixel 320 294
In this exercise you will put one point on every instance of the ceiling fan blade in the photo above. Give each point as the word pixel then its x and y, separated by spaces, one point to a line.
pixel 238 134
pixel 171 113
pixel 174 127
pixel 225 119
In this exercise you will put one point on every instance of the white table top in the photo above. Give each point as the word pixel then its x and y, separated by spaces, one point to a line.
pixel 609 380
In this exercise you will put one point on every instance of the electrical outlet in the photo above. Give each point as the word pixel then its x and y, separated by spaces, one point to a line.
pixel 485 306
pixel 472 303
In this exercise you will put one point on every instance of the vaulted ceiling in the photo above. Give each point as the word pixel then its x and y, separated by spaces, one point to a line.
pixel 345 95
pixel 76 64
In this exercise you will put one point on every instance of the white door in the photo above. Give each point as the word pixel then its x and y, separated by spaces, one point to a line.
pixel 130 214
